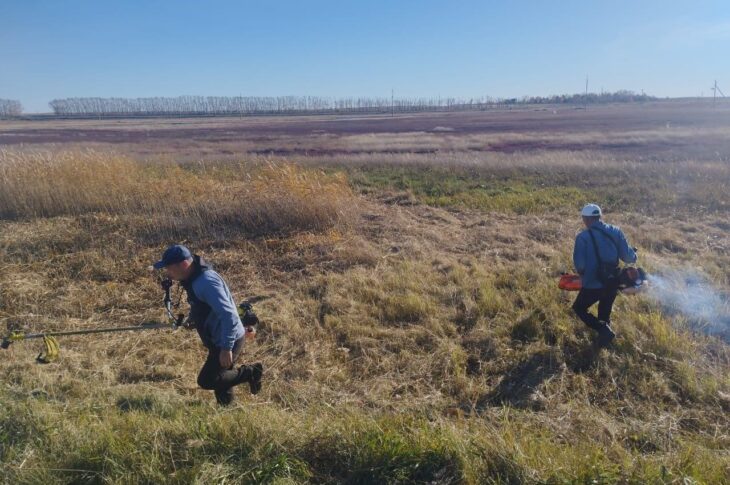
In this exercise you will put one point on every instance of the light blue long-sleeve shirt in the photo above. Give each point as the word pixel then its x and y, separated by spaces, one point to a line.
pixel 223 323
pixel 584 255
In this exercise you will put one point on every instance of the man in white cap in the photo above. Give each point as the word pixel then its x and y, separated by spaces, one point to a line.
pixel 596 256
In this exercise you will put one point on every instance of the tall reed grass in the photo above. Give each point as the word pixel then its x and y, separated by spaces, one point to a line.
pixel 166 200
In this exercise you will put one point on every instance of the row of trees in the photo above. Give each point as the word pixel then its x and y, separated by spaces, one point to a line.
pixel 10 107
pixel 254 105
pixel 242 105
pixel 622 96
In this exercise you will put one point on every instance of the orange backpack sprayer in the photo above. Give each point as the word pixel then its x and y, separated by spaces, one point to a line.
pixel 631 281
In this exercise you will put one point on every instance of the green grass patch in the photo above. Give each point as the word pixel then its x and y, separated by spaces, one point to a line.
pixel 520 194
pixel 98 443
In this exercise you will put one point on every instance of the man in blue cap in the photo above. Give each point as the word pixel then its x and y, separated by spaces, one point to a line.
pixel 214 314
pixel 596 256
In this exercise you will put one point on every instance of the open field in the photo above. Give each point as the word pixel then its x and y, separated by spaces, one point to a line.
pixel 644 129
pixel 412 329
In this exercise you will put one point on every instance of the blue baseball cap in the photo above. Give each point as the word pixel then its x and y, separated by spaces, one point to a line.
pixel 172 255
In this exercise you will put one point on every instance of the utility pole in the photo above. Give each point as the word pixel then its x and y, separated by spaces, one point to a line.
pixel 585 99
pixel 716 89
pixel 392 105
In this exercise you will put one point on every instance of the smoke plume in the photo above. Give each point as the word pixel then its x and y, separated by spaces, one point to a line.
pixel 692 295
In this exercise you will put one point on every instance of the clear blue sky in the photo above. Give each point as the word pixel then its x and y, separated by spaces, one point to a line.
pixel 131 48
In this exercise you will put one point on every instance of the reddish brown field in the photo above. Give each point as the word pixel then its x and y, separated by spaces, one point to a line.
pixel 650 129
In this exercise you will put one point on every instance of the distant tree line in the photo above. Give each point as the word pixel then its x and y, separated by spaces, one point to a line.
pixel 622 96
pixel 246 105
pixel 255 105
pixel 10 107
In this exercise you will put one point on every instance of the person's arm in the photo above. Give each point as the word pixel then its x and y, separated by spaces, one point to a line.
pixel 214 292
pixel 626 252
pixel 579 255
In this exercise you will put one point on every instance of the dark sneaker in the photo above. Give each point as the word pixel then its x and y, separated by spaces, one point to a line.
pixel 254 383
pixel 224 398
pixel 605 335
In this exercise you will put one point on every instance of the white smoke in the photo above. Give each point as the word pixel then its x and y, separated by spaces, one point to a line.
pixel 693 296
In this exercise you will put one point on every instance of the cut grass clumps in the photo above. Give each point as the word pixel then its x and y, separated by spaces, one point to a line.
pixel 406 307
pixel 397 296
pixel 490 301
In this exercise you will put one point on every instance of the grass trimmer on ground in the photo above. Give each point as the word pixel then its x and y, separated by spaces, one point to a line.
pixel 50 350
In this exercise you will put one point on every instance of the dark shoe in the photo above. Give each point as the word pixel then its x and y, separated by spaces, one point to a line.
pixel 605 335
pixel 257 370
pixel 251 374
pixel 224 398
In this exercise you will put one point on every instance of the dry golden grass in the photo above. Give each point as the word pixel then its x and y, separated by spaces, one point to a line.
pixel 408 337
pixel 167 200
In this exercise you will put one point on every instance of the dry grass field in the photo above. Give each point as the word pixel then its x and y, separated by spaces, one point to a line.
pixel 412 329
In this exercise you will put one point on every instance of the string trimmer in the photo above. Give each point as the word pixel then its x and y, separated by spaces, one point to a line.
pixel 50 349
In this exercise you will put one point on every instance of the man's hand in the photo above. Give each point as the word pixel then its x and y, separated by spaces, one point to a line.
pixel 226 358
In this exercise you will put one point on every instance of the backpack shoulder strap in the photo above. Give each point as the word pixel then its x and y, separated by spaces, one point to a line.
pixel 609 236
pixel 595 246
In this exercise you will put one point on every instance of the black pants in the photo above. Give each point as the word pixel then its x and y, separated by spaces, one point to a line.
pixel 587 298
pixel 215 378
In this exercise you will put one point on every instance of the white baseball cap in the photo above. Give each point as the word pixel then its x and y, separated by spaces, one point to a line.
pixel 591 210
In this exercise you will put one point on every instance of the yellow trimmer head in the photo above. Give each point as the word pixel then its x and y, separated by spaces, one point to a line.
pixel 50 350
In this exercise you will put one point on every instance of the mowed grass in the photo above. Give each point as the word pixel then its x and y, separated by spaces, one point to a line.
pixel 412 329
